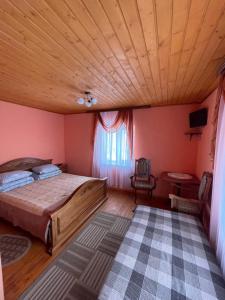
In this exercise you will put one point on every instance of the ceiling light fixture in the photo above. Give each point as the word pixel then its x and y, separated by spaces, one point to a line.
pixel 87 100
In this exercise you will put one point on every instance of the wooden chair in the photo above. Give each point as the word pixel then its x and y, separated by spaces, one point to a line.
pixel 195 206
pixel 143 179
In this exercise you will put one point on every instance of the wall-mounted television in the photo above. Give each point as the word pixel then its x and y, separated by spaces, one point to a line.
pixel 198 118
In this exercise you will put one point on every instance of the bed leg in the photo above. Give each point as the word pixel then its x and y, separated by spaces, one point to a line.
pixel 49 250
pixel 49 240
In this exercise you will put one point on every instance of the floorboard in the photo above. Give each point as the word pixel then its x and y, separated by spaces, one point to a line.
pixel 18 276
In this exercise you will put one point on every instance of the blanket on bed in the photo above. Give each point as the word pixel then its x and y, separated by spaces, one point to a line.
pixel 44 196
pixel 29 206
pixel 164 255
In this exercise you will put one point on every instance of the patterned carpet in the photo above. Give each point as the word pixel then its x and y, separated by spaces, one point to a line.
pixel 80 270
pixel 13 248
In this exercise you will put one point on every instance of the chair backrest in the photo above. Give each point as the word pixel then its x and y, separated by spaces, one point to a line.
pixel 205 188
pixel 142 168
pixel 205 195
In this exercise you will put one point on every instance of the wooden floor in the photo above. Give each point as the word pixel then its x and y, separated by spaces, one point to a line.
pixel 18 276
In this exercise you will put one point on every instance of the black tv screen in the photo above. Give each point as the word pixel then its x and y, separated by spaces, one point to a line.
pixel 198 118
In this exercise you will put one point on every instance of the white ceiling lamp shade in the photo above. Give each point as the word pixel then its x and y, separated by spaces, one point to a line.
pixel 88 100
pixel 88 104
pixel 80 101
pixel 94 100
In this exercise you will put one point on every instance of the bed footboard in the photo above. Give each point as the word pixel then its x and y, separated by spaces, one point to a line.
pixel 84 201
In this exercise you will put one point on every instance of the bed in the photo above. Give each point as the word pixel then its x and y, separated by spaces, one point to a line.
pixel 164 255
pixel 51 209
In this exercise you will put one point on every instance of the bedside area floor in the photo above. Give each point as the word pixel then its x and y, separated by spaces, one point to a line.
pixel 19 275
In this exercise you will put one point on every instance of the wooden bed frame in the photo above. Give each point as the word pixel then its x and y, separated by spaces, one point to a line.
pixel 83 202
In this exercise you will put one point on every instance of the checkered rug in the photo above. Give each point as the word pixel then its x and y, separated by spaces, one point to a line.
pixel 80 270
pixel 164 255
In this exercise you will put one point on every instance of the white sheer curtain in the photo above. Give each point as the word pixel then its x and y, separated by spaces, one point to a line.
pixel 112 154
pixel 217 225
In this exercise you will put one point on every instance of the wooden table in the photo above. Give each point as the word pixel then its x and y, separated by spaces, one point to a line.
pixel 177 182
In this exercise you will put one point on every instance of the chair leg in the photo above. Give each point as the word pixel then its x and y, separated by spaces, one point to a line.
pixel 149 194
pixel 135 196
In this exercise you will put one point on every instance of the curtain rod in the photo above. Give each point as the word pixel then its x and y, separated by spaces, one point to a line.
pixel 118 108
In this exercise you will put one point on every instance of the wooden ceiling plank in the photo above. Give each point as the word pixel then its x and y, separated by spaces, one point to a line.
pixel 164 25
pixel 207 78
pixel 69 63
pixel 22 89
pixel 132 18
pixel 116 20
pixel 9 49
pixel 148 19
pixel 30 69
pixel 23 40
pixel 91 59
pixel 103 48
pixel 67 16
pixel 43 90
pixel 74 45
pixel 14 69
pixel 215 20
pixel 213 85
pixel 109 61
pixel 201 87
pixel 23 70
pixel 211 49
pixel 196 16
pixel 200 95
pixel 34 104
pixel 181 11
pixel 10 55
pixel 126 52
pixel 213 14
pixel 111 22
pixel 57 61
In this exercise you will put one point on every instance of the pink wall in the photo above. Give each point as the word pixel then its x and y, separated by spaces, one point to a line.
pixel 158 135
pixel 204 161
pixel 30 132
pixel 78 143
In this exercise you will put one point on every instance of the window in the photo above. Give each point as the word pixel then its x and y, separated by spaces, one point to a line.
pixel 115 149
pixel 112 154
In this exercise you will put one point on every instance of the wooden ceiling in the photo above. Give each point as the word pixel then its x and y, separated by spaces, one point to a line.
pixel 126 52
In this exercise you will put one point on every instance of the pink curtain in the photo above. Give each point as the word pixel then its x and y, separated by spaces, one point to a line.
pixel 122 117
pixel 217 224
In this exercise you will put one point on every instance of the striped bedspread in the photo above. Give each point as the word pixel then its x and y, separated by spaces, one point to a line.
pixel 29 206
pixel 43 196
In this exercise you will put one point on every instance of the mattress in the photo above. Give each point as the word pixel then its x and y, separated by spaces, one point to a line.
pixel 29 206
pixel 164 255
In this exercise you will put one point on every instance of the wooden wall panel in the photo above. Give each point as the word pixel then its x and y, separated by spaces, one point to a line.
pixel 126 52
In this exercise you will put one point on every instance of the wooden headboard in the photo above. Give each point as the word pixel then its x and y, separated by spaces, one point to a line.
pixel 24 163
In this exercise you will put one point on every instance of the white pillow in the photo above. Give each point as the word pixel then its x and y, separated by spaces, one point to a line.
pixel 43 169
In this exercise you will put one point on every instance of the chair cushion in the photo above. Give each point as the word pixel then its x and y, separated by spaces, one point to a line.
pixel 143 185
